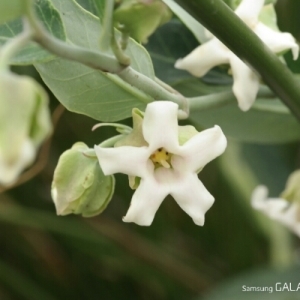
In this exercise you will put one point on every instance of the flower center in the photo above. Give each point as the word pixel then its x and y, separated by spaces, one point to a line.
pixel 161 157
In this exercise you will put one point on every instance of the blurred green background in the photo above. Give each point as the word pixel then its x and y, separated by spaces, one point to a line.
pixel 43 256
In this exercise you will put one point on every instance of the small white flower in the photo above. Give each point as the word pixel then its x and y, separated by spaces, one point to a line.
pixel 277 209
pixel 214 52
pixel 164 166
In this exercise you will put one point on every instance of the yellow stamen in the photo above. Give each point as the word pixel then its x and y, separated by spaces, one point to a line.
pixel 162 157
pixel 165 164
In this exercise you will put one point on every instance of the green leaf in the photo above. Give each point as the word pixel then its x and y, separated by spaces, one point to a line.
pixel 33 53
pixel 273 280
pixel 252 126
pixel 83 90
pixel 11 9
pixel 91 6
pixel 190 22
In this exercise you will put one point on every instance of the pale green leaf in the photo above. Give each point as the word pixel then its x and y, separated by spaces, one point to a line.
pixel 33 53
pixel 83 90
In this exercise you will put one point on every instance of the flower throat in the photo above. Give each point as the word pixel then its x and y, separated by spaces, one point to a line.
pixel 161 157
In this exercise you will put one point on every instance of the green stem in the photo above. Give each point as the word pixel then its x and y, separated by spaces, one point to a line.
pixel 223 98
pixel 154 89
pixel 12 47
pixel 111 142
pixel 107 37
pixel 220 20
pixel 210 101
pixel 118 52
pixel 91 58
pixel 270 106
pixel 107 25
pixel 281 247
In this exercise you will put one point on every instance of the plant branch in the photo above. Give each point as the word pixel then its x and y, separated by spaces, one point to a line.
pixel 220 20
pixel 107 37
pixel 219 99
pixel 93 59
pixel 154 89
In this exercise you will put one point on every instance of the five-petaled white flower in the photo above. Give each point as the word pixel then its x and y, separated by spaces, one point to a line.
pixel 277 209
pixel 164 166
pixel 214 52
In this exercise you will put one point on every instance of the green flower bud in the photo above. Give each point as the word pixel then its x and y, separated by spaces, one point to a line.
pixel 140 18
pixel 79 185
pixel 24 123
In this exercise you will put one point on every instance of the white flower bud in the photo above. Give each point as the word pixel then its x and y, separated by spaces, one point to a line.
pixel 24 123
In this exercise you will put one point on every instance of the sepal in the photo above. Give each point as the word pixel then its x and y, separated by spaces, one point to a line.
pixel 79 185
pixel 25 122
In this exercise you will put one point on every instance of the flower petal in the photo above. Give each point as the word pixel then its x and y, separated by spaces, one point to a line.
pixel 259 197
pixel 277 41
pixel 276 208
pixel 246 83
pixel 272 207
pixel 249 10
pixel 128 160
pixel 193 197
pixel 160 125
pixel 145 202
pixel 289 216
pixel 200 150
pixel 203 58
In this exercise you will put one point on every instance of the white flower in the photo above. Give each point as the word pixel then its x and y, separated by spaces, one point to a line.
pixel 214 52
pixel 164 166
pixel 277 209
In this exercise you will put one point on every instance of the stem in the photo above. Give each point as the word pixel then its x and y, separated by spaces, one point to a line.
pixel 111 142
pixel 226 26
pixel 13 46
pixel 108 38
pixel 154 89
pixel 269 106
pixel 223 98
pixel 91 58
pixel 118 52
pixel 107 25
pixel 211 101
pixel 281 248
